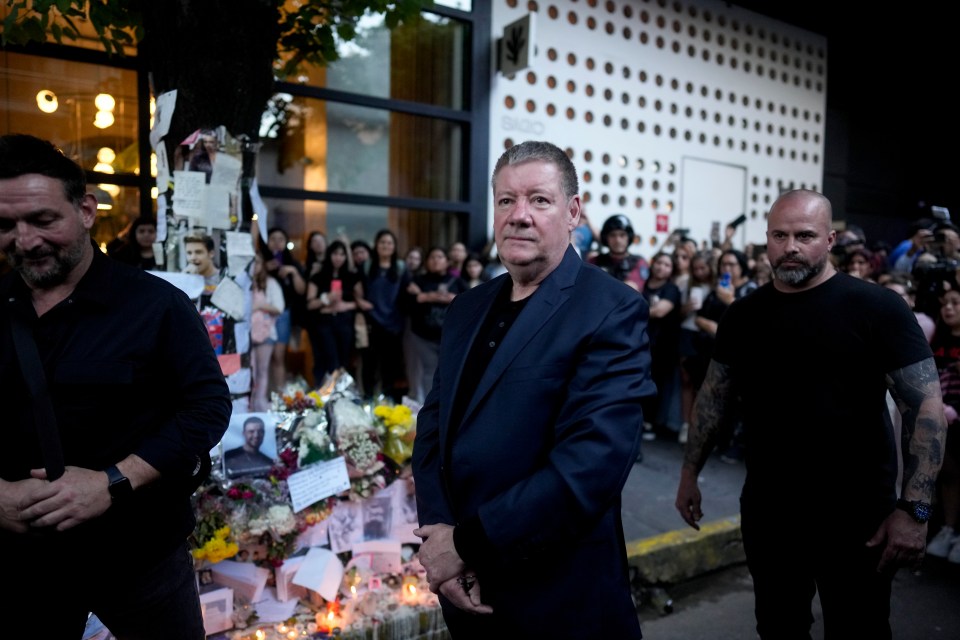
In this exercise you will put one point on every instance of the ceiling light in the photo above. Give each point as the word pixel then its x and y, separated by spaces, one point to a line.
pixel 105 102
pixel 47 101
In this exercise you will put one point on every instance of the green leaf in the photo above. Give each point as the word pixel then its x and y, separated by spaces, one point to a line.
pixel 57 32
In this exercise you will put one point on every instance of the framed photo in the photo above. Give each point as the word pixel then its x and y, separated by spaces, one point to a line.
pixel 249 445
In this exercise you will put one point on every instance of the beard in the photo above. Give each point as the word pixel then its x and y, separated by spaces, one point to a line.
pixel 797 275
pixel 64 261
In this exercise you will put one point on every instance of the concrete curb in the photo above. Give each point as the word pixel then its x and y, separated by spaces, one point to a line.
pixel 676 556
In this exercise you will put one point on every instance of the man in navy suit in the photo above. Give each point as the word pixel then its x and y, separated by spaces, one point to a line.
pixel 532 427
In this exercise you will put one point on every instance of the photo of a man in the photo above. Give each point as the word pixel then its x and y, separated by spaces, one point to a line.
pixel 248 459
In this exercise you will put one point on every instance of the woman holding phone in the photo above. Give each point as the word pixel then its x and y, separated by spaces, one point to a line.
pixel 332 295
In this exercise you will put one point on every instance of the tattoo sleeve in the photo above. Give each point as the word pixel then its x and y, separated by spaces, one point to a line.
pixel 916 391
pixel 709 415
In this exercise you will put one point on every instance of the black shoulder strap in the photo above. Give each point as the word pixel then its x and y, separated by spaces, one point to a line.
pixel 43 415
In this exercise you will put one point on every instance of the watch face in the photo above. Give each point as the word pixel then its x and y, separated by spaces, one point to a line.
pixel 922 511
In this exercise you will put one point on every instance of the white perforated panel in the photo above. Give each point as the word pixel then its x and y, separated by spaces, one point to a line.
pixel 632 89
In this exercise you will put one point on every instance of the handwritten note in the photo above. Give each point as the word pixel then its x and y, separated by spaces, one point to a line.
pixel 188 193
pixel 317 482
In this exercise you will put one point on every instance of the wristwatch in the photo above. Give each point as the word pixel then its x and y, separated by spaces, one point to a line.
pixel 919 511
pixel 118 484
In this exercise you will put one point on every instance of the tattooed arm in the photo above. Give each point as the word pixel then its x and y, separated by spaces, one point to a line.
pixel 707 421
pixel 916 390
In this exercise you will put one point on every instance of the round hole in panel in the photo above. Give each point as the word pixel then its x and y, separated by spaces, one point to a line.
pixel 676 26
pixel 608 68
pixel 627 33
pixel 655 185
pixel 589 90
pixel 591 23
pixel 661 43
pixel 572 17
pixel 655 167
pixel 531 106
pixel 551 82
pixel 625 98
pixel 552 54
pixel 587 197
pixel 624 124
pixel 605 158
pixel 509 102
pixel 605 199
pixel 531 77
pixel 608 94
pixel 657 129
pixel 588 116
pixel 607 120
pixel 587 176
pixel 571 114
pixel 609 28
pixel 591 63
pixel 507 143
pixel 588 155
pixel 571 59
pixel 553 12
pixel 687 135
pixel 716 141
pixel 644 16
pixel 640 165
pixel 622 201
pixel 639 183
pixel 551 109
pixel 644 38
pixel 627 11
pixel 571 86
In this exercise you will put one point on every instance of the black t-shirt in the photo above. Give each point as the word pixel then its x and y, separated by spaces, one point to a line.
pixel 426 318
pixel 810 368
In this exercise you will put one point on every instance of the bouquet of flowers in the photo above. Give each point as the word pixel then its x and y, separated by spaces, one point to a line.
pixel 314 426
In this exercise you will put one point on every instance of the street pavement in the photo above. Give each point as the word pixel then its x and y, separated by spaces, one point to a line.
pixel 703 576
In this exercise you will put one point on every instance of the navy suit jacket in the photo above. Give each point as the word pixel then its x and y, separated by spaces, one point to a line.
pixel 544 448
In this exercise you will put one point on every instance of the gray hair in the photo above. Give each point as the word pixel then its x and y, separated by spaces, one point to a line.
pixel 545 152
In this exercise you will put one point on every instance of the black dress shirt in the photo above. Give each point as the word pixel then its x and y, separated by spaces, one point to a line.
pixel 130 370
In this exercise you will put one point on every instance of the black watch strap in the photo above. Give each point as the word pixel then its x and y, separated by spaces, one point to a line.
pixel 117 483
pixel 918 510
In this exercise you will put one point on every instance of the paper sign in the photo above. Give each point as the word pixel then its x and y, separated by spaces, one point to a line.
pixel 663 223
pixel 162 116
pixel 190 283
pixel 245 578
pixel 384 555
pixel 321 571
pixel 188 193
pixel 272 608
pixel 318 481
pixel 216 206
pixel 226 172
pixel 239 382
pixel 345 526
pixel 161 217
pixel 228 296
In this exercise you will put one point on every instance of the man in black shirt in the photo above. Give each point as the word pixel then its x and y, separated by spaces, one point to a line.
pixel 138 401
pixel 808 359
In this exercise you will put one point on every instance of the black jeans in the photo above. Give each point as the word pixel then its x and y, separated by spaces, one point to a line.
pixel 796 554
pixel 52 599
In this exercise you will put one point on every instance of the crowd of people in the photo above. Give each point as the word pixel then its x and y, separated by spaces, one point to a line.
pixel 553 377
pixel 368 310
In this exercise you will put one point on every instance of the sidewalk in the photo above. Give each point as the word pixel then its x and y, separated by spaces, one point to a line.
pixel 660 545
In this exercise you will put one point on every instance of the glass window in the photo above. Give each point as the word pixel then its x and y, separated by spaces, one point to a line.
pixel 82 108
pixel 326 146
pixel 421 62
pixel 117 207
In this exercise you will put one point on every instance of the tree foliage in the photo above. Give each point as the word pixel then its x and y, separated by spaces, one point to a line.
pixel 310 30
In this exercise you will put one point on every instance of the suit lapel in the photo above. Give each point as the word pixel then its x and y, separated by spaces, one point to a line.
pixel 552 293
